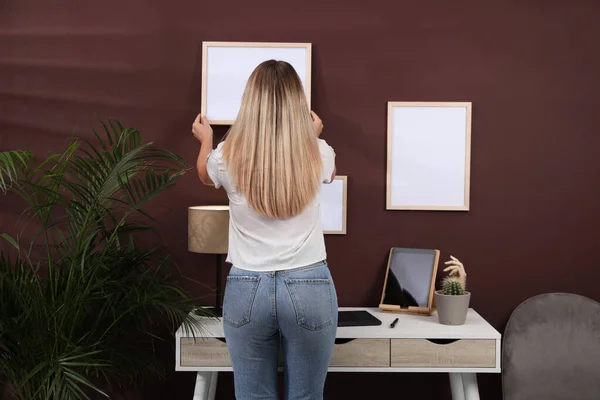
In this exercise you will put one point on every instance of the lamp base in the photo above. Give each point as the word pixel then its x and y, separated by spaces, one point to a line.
pixel 218 311
pixel 214 311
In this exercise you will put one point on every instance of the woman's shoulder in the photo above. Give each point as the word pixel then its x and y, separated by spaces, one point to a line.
pixel 219 149
pixel 328 159
pixel 217 168
pixel 216 155
pixel 325 149
pixel 214 160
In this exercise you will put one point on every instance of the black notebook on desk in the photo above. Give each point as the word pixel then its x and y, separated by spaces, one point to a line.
pixel 357 318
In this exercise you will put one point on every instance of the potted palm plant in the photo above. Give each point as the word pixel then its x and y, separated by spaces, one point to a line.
pixel 452 301
pixel 81 301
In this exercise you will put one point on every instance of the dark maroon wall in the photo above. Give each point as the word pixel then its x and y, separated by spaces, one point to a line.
pixel 530 69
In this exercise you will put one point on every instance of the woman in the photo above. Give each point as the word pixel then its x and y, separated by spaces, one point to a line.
pixel 279 292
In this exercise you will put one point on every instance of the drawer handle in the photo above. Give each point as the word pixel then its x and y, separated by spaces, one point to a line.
pixel 442 341
pixel 337 341
pixel 343 341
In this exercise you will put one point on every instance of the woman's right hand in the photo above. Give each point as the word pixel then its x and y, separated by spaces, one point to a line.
pixel 317 123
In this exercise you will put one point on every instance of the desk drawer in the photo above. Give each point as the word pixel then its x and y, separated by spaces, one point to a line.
pixel 362 353
pixel 356 353
pixel 204 352
pixel 465 353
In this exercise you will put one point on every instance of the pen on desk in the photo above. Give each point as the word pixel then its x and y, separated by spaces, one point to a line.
pixel 393 324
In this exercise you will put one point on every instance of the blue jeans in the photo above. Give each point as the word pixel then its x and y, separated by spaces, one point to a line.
pixel 295 310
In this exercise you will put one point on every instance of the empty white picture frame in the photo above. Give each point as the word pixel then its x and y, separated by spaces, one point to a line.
pixel 226 67
pixel 333 198
pixel 428 156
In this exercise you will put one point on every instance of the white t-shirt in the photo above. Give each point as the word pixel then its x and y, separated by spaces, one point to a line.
pixel 259 243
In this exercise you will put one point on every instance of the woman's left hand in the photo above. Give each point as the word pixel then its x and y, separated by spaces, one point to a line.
pixel 201 128
pixel 317 123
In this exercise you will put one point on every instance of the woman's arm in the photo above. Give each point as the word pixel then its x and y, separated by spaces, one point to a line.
pixel 333 175
pixel 203 132
pixel 205 149
pixel 318 127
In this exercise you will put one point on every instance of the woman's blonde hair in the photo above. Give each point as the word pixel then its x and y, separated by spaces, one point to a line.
pixel 272 150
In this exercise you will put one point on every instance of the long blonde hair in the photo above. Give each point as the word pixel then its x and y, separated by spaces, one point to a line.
pixel 271 150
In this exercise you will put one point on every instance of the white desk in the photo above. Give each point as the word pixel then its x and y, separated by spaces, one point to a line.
pixel 416 344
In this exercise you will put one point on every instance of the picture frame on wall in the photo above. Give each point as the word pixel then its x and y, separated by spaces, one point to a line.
pixel 428 156
pixel 226 67
pixel 333 198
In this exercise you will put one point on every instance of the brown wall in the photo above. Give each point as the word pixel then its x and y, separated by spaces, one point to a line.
pixel 530 69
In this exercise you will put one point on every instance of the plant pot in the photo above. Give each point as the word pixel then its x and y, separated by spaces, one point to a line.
pixel 452 310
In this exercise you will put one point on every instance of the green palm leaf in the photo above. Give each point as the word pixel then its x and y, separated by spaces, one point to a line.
pixel 84 291
pixel 12 164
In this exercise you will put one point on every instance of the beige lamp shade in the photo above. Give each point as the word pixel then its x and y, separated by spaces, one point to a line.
pixel 208 229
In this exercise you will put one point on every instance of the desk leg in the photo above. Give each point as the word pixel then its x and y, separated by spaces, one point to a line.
pixel 470 386
pixel 456 386
pixel 206 386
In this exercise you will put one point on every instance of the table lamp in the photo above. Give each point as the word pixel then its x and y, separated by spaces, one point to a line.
pixel 208 233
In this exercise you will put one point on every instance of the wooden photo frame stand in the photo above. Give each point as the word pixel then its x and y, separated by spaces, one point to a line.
pixel 423 310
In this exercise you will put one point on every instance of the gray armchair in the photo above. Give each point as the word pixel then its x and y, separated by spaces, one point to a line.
pixel 551 349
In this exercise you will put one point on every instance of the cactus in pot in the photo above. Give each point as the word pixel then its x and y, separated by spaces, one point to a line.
pixel 451 286
pixel 452 301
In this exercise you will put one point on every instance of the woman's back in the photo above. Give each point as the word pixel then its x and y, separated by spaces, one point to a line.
pixel 261 243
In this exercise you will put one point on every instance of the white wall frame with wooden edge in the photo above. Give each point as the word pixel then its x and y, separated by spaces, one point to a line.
pixel 334 206
pixel 417 344
pixel 428 156
pixel 233 62
pixel 393 308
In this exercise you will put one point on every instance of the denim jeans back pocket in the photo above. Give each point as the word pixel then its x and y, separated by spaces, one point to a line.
pixel 239 297
pixel 313 302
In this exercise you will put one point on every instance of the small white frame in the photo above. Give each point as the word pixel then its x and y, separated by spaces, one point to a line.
pixel 334 199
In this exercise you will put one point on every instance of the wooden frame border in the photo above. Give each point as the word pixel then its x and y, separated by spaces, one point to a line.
pixel 393 104
pixel 344 205
pixel 206 45
pixel 410 310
